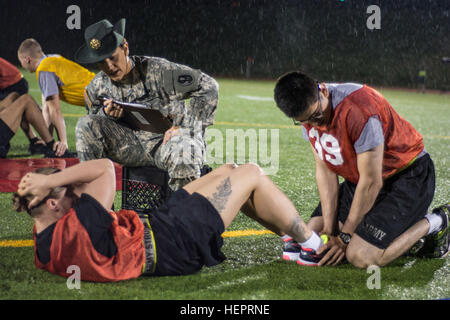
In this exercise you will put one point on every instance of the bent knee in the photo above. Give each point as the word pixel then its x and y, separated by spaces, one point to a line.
pixel 83 121
pixel 13 96
pixel 81 125
pixel 249 172
pixel 226 168
pixel 25 99
pixel 253 168
pixel 88 122
pixel 361 257
pixel 356 259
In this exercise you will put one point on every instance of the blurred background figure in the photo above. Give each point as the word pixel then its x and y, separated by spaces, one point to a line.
pixel 12 81
pixel 58 79
pixel 422 77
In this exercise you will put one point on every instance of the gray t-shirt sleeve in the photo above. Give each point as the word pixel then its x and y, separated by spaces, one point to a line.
pixel 48 83
pixel 304 134
pixel 371 136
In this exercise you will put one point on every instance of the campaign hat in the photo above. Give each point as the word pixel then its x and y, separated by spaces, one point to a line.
pixel 101 41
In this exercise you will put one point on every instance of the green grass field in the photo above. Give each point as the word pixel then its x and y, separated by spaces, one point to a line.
pixel 254 269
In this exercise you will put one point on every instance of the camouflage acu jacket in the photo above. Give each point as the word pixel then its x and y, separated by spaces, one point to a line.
pixel 162 85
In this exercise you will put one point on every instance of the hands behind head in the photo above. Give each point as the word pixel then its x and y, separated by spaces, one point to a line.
pixel 34 184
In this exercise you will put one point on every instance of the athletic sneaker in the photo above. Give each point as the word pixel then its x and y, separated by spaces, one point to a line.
pixel 415 249
pixel 437 244
pixel 37 148
pixel 291 250
pixel 309 257
pixel 67 154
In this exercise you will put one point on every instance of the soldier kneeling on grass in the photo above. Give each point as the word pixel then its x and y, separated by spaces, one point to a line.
pixel 74 226
pixel 379 211
pixel 154 82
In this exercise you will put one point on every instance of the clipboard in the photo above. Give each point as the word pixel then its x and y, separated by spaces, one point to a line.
pixel 139 116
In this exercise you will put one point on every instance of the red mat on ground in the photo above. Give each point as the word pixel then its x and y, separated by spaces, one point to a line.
pixel 12 170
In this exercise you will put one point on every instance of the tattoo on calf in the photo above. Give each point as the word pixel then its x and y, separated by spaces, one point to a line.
pixel 219 198
pixel 296 230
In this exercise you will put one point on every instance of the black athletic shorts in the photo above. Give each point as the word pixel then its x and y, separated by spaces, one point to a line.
pixel 188 234
pixel 6 135
pixel 403 201
pixel 21 87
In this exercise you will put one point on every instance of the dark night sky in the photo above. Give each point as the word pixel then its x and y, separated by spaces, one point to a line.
pixel 327 37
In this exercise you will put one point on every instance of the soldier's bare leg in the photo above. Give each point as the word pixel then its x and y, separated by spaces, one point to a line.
pixel 24 107
pixel 236 188
pixel 8 100
pixel 25 125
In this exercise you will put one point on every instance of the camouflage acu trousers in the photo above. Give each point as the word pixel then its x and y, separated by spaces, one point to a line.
pixel 182 156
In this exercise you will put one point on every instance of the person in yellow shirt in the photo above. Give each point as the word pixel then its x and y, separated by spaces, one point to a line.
pixel 422 79
pixel 59 79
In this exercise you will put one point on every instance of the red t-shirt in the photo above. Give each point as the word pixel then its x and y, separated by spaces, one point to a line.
pixel 9 74
pixel 335 143
pixel 106 246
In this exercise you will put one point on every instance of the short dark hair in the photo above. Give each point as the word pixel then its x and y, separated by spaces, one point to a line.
pixel 20 203
pixel 294 93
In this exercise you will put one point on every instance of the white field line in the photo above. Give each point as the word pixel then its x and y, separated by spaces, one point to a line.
pixel 235 282
pixel 437 288
pixel 255 98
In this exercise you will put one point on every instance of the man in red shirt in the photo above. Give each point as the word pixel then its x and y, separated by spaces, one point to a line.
pixel 11 80
pixel 379 211
pixel 14 110
pixel 13 85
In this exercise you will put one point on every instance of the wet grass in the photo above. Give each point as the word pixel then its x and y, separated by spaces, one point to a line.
pixel 253 269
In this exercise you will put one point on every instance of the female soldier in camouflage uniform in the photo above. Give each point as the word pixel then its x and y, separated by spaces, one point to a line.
pixel 156 83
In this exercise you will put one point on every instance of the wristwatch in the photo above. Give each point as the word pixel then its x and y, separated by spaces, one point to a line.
pixel 345 237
